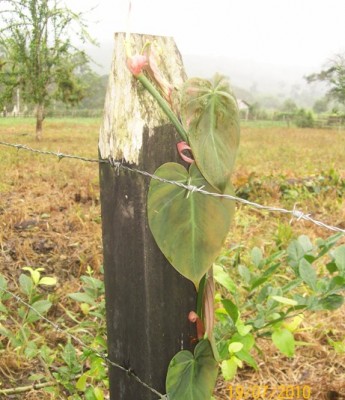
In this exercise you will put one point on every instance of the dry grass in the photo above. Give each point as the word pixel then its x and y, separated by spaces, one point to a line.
pixel 50 217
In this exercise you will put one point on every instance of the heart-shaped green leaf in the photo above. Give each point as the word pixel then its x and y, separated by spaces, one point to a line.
pixel 209 113
pixel 192 377
pixel 189 227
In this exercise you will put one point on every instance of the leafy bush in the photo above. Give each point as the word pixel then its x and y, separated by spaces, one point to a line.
pixel 269 296
pixel 304 119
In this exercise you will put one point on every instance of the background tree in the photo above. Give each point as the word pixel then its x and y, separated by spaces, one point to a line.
pixel 321 105
pixel 37 54
pixel 334 76
pixel 289 106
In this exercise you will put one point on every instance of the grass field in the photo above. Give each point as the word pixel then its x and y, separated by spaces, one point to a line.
pixel 50 218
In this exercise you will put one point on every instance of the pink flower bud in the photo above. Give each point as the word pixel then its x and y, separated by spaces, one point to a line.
pixel 136 64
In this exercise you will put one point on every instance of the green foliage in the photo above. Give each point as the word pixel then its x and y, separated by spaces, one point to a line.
pixel 274 293
pixel 326 185
pixel 289 106
pixel 334 76
pixel 304 119
pixel 189 228
pixel 321 105
pixel 79 372
pixel 262 300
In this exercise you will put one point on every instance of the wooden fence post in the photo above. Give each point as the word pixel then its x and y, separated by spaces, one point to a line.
pixel 147 301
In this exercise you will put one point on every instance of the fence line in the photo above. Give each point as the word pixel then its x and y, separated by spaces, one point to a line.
pixel 129 371
pixel 117 165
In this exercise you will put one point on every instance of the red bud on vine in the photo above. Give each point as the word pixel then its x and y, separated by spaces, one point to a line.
pixel 194 318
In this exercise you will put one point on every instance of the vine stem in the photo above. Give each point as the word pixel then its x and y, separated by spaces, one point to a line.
pixel 163 104
pixel 35 386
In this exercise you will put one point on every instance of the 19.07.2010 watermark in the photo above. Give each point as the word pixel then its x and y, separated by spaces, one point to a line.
pixel 266 392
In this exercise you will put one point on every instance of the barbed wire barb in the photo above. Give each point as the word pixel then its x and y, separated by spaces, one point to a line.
pixel 117 165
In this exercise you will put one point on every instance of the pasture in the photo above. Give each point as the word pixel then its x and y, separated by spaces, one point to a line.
pixel 50 218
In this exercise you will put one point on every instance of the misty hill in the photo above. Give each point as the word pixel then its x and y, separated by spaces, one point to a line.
pixel 253 81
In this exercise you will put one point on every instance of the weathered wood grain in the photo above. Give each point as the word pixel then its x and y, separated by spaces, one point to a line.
pixel 147 300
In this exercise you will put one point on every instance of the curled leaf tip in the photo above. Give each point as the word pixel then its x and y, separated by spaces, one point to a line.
pixel 181 146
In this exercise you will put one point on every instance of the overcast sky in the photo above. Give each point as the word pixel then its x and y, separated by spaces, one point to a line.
pixel 297 33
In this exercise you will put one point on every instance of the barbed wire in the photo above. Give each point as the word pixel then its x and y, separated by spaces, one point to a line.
pixel 84 345
pixel 117 165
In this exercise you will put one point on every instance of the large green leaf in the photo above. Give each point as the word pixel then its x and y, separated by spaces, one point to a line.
pixel 209 113
pixel 192 377
pixel 189 227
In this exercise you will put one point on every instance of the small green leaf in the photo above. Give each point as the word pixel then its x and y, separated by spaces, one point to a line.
pixel 98 393
pixel 336 283
pixel 192 377
pixel 36 377
pixel 284 341
pixel 245 273
pixel 31 350
pixel 245 356
pixel 332 302
pixel 35 273
pixel 3 309
pixel 85 308
pixel 3 283
pixel 223 278
pixel 41 306
pixel 229 368
pixel 306 244
pixel 256 254
pixel 295 253
pixel 231 309
pixel 339 347
pixel 69 355
pixel 339 256
pixel 307 273
pixel 26 284
pixel 48 281
pixel 285 300
pixel 332 267
pixel 89 393
pixel 243 329
pixel 81 383
pixel 82 298
pixel 248 340
pixel 235 347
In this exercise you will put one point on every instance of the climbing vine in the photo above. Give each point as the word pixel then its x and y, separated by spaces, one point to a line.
pixel 190 228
